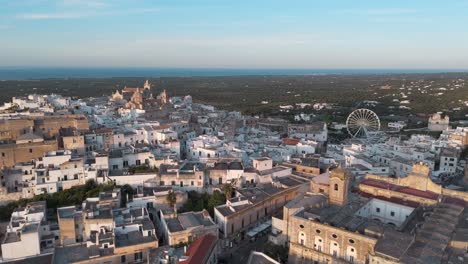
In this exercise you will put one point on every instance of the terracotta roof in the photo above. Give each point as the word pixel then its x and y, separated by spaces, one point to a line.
pixel 291 141
pixel 401 189
pixel 415 192
pixel 391 199
pixel 378 184
pixel 456 201
pixel 200 249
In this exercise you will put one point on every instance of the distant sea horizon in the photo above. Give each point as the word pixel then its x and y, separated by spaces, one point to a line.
pixel 34 73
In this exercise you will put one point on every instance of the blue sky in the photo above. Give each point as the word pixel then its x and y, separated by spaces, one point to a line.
pixel 235 34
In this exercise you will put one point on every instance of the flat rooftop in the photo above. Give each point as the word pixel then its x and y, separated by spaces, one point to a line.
pixel 188 220
pixel 133 238
pixel 66 212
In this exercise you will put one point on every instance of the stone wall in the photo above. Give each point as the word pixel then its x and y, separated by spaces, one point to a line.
pixel 10 154
pixel 6 198
pixel 311 232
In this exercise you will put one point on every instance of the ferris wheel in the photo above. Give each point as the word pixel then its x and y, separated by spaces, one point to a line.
pixel 363 123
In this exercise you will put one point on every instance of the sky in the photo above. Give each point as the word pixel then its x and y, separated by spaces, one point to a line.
pixel 309 34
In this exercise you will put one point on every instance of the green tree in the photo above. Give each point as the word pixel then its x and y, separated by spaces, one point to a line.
pixel 214 200
pixel 171 199
pixel 227 189
pixel 73 196
pixel 126 191
pixel 276 252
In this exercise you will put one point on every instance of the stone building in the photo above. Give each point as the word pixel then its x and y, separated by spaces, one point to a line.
pixel 187 176
pixel 50 125
pixel 225 172
pixel 12 153
pixel 10 129
pixel 187 227
pixel 438 123
pixel 417 187
pixel 72 139
pixel 252 205
pixel 398 222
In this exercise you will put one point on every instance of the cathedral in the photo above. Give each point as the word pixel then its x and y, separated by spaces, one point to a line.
pixel 140 98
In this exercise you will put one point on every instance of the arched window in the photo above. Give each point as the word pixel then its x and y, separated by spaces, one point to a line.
pixel 318 243
pixel 334 249
pixel 336 187
pixel 302 238
pixel 351 254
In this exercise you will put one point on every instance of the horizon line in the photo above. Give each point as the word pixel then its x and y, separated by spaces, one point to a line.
pixel 228 68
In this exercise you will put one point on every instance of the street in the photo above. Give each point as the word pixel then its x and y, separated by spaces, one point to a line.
pixel 240 254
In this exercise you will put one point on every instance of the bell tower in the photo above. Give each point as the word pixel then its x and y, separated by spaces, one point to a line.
pixel 147 85
pixel 339 186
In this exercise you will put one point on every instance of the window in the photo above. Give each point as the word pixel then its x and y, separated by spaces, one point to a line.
pixel 139 256
pixel 173 183
pixel 125 163
pixel 336 187
pixel 161 183
pixel 377 210
pixel 302 238
pixel 30 150
pixel 181 184
pixel 334 236
pixel 3 154
pixel 138 162
pixel 392 213
pixel 123 259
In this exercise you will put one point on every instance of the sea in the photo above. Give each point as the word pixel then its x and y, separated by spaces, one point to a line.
pixel 26 73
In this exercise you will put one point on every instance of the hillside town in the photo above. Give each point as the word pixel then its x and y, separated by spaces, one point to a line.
pixel 162 179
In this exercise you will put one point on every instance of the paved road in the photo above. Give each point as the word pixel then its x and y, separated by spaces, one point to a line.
pixel 241 253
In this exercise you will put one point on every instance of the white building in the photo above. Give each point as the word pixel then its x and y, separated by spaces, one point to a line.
pixel 28 233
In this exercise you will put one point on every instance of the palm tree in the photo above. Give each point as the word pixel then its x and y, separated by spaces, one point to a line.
pixel 171 199
pixel 227 189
